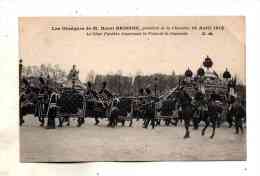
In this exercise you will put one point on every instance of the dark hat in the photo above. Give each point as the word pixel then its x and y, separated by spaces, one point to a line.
pixel 89 84
pixel 141 91
pixel 41 80
pixel 104 83
pixel 148 91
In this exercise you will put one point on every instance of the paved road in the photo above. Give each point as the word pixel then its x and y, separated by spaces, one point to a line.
pixel 99 143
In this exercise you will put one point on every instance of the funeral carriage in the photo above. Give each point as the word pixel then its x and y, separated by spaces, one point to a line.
pixel 207 83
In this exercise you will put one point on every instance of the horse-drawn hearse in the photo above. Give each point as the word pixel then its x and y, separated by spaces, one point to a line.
pixel 201 88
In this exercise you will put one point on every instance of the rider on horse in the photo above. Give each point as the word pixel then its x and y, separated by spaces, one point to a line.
pixel 104 97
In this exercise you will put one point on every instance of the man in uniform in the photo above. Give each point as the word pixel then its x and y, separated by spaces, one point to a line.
pixel 105 91
pixel 91 97
pixel 186 109
pixel 149 110
pixel 52 111
pixel 104 96
pixel 230 104
pixel 239 114
pixel 91 93
pixel 199 104
pixel 73 74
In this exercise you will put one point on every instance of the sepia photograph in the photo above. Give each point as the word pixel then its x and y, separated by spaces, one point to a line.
pixel 132 88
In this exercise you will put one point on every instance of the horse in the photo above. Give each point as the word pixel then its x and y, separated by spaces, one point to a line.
pixel 97 108
pixel 27 101
pixel 236 114
pixel 121 112
pixel 26 107
pixel 211 116
pixel 167 110
pixel 70 105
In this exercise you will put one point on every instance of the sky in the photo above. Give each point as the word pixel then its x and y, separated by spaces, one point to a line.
pixel 148 54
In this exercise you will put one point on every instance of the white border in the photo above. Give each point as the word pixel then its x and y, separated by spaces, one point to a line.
pixel 9 149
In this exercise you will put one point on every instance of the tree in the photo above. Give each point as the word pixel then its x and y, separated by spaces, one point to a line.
pixel 91 76
pixel 119 80
pixel 29 71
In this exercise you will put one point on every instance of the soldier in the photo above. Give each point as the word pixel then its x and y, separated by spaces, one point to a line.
pixel 230 104
pixel 91 93
pixel 149 110
pixel 199 104
pixel 104 96
pixel 105 91
pixel 73 74
pixel 239 114
pixel 114 114
pixel 52 111
pixel 199 97
pixel 186 109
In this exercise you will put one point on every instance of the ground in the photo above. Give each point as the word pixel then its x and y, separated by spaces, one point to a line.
pixel 100 143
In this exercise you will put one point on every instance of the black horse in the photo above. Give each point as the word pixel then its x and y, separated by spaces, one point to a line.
pixel 26 107
pixel 236 114
pixel 70 104
pixel 27 101
pixel 121 111
pixel 211 116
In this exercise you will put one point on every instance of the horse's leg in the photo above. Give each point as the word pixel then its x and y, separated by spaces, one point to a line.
pixel 144 121
pixel 109 121
pixel 42 121
pixel 195 123
pixel 181 118
pixel 153 122
pixel 51 119
pixel 187 124
pixel 21 119
pixel 146 125
pixel 206 126
pixel 114 121
pixel 131 122
pixel 237 125
pixel 166 121
pixel 214 123
pixel 80 121
pixel 60 122
pixel 218 121
pixel 123 122
pixel 158 122
pixel 40 118
pixel 68 121
pixel 175 122
pixel 171 122
pixel 96 120
pixel 229 119
pixel 241 126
